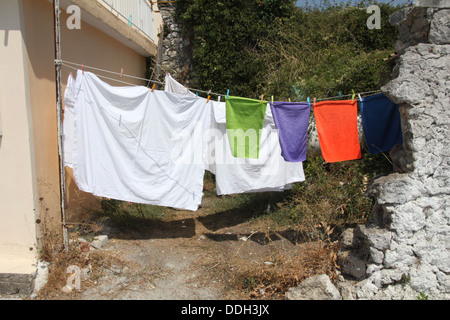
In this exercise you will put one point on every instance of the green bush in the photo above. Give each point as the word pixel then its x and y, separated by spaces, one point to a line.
pixel 320 51
pixel 333 194
pixel 271 47
pixel 223 36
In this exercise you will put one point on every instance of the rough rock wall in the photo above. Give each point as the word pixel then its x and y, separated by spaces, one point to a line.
pixel 175 53
pixel 404 250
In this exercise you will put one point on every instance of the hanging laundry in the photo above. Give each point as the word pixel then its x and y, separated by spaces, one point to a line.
pixel 381 123
pixel 337 128
pixel 70 96
pixel 245 120
pixel 270 172
pixel 135 145
pixel 292 120
pixel 171 85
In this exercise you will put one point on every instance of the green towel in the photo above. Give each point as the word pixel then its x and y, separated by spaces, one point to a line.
pixel 245 120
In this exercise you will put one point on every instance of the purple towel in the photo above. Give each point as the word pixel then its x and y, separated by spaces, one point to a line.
pixel 292 120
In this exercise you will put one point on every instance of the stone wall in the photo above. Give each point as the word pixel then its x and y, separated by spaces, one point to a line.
pixel 403 251
pixel 175 52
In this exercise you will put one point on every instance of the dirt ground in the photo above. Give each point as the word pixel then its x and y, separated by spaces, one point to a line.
pixel 194 255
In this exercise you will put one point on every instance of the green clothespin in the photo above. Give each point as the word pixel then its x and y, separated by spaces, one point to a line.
pixel 353 96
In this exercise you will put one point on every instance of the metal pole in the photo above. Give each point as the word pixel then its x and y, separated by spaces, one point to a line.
pixel 58 63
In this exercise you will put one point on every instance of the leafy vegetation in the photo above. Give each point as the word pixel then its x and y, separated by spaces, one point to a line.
pixel 332 195
pixel 224 35
pixel 320 51
pixel 273 48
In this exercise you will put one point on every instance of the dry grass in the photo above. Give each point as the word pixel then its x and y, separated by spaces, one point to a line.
pixel 279 271
pixel 315 212
pixel 78 254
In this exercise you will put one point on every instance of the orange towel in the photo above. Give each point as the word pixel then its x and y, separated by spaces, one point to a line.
pixel 337 127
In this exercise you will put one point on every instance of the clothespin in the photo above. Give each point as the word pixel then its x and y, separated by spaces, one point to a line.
pixel 153 87
pixel 262 97
pixel 272 99
pixel 289 99
pixel 340 94
pixel 314 104
pixel 121 72
pixel 196 94
pixel 228 93
pixel 309 103
pixel 353 96
pixel 82 68
pixel 359 95
pixel 207 100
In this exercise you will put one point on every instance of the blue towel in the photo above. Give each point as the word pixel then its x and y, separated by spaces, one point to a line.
pixel 381 123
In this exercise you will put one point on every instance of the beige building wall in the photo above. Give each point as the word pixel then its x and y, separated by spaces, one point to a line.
pixel 88 46
pixel 29 164
pixel 17 194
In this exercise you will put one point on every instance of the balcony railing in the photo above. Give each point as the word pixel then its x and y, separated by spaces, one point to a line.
pixel 137 13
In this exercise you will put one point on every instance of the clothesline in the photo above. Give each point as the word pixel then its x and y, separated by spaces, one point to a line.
pixel 121 74
pixel 107 130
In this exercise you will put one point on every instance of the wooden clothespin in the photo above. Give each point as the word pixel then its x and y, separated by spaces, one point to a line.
pixel 153 87
pixel 82 68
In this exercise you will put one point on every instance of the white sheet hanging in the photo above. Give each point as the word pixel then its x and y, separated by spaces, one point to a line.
pixel 171 85
pixel 239 175
pixel 70 95
pixel 135 145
